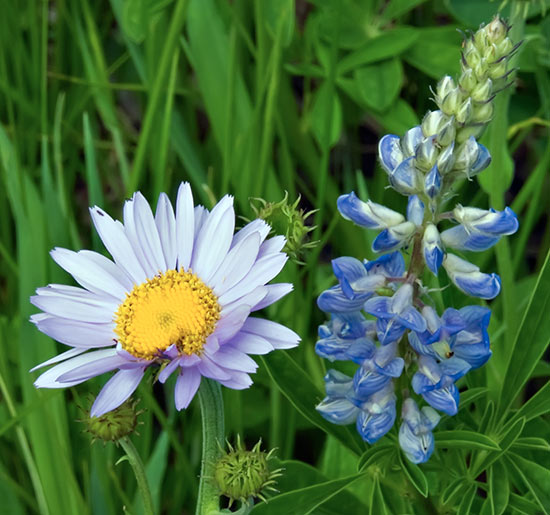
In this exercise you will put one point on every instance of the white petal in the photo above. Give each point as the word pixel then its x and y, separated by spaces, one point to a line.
pixel 229 325
pixel 185 225
pixel 278 335
pixel 261 273
pixel 214 239
pixel 274 293
pixel 148 234
pixel 166 225
pixel 209 369
pixel 88 273
pixel 186 387
pixel 233 359
pixel 84 309
pixel 93 368
pixel 60 357
pixel 201 214
pixel 253 298
pixel 77 334
pixel 49 378
pixel 116 242
pixel 272 246
pixel 110 267
pixel 251 343
pixel 236 264
pixel 257 225
pixel 238 381
pixel 116 391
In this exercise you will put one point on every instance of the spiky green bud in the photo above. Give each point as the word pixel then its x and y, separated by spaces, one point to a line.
pixel 115 424
pixel 289 220
pixel 242 475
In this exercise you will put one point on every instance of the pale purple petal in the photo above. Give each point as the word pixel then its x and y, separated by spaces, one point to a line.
pixel 167 371
pixel 237 264
pixel 209 369
pixel 116 242
pixel 187 385
pixel 230 357
pixel 238 381
pixel 251 299
pixel 93 368
pixel 278 335
pixel 60 357
pixel 185 225
pixel 116 391
pixel 214 240
pixel 76 334
pixel 274 293
pixel 201 214
pixel 250 343
pixel 229 325
pixel 165 221
pixel 257 225
pixel 272 246
pixel 85 309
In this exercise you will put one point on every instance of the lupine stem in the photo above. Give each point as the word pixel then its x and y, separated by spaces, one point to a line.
pixel 211 402
pixel 139 472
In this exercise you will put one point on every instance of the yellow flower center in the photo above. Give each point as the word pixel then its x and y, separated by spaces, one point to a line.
pixel 172 308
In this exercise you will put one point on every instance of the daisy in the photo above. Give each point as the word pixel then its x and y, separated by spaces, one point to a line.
pixel 178 294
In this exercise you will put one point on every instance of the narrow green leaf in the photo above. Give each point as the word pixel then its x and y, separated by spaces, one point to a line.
pixel 452 490
pixel 466 503
pixel 499 488
pixel 536 406
pixel 377 503
pixel 535 329
pixel 463 439
pixel 296 386
pixel 415 475
pixel 304 500
pixel 536 479
pixel 326 106
pixel 531 443
pixel 523 505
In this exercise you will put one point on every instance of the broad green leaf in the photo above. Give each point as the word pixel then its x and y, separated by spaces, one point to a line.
pixel 436 52
pixel 415 475
pixel 380 83
pixel 304 500
pixel 291 379
pixel 326 115
pixel 534 329
pixel 463 439
pixel 388 44
pixel 536 479
pixel 396 8
pixel 379 452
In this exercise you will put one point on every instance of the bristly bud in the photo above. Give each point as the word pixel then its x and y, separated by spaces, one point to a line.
pixel 115 424
pixel 287 219
pixel 242 475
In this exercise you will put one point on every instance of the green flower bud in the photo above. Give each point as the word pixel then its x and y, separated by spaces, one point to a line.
pixel 466 154
pixel 483 113
pixel 464 113
pixel 433 122
pixel 499 70
pixel 289 220
pixel 472 57
pixel 444 87
pixel 242 475
pixel 467 80
pixel 115 424
pixel 464 133
pixel 451 102
pixel 445 160
pixel 482 92
pixel 496 30
pixel 447 133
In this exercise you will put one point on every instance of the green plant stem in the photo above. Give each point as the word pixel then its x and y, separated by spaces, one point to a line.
pixel 211 402
pixel 139 471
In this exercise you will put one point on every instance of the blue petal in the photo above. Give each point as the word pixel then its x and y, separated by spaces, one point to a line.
pixel 338 410
pixel 333 349
pixel 367 382
pixel 394 368
pixel 372 427
pixel 417 448
pixel 484 286
pixel 412 319
pixel 476 354
pixel 337 384
pixel 388 331
pixel 419 347
pixel 454 367
pixel 434 259
pixel 354 209
pixel 334 301
pixel 348 268
pixel 421 384
pixel 415 210
pixel 404 177
pixel 385 241
pixel 506 222
pixel 379 307
pixel 443 399
pixel 432 183
pixel 390 152
pixel 391 265
pixel 483 160
pixel 361 350
pixel 459 238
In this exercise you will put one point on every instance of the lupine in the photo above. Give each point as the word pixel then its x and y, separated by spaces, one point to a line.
pixel 382 316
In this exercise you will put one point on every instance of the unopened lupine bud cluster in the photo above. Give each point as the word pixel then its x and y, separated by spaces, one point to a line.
pixel 382 316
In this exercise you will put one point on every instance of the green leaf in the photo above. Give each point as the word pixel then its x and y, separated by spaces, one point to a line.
pixel 326 115
pixel 463 439
pixel 536 479
pixel 280 13
pixel 466 503
pixel 296 386
pixel 379 84
pixel 304 500
pixel 388 44
pixel 536 406
pixel 377 503
pixel 452 490
pixel 534 329
pixel 396 8
pixel 499 488
pixel 531 443
pixel 135 19
pixel 415 475
pixel 375 455
pixel 522 505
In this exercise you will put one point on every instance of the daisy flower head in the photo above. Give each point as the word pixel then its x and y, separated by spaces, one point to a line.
pixel 178 294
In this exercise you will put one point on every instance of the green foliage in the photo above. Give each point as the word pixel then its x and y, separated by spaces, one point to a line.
pixel 255 98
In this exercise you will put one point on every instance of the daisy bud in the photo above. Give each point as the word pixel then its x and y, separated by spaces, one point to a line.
pixel 114 425
pixel 242 475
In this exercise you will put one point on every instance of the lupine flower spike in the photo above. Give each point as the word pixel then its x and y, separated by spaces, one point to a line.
pixel 178 294
pixel 403 336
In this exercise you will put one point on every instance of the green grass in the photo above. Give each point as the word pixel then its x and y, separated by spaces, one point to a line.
pixel 255 98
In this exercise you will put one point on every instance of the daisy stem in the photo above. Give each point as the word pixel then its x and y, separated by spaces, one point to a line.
pixel 139 471
pixel 213 432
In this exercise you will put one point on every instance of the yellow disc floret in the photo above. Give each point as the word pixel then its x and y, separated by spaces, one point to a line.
pixel 174 307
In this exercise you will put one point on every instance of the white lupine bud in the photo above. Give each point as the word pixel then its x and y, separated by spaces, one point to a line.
pixel 497 71
pixel 447 133
pixel 464 113
pixel 446 159
pixel 466 154
pixel 432 122
pixel 444 87
pixel 496 30
pixel 483 113
pixel 464 133
pixel 426 154
pixel 410 141
pixel 451 102
pixel 482 91
pixel 480 40
pixel 467 80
